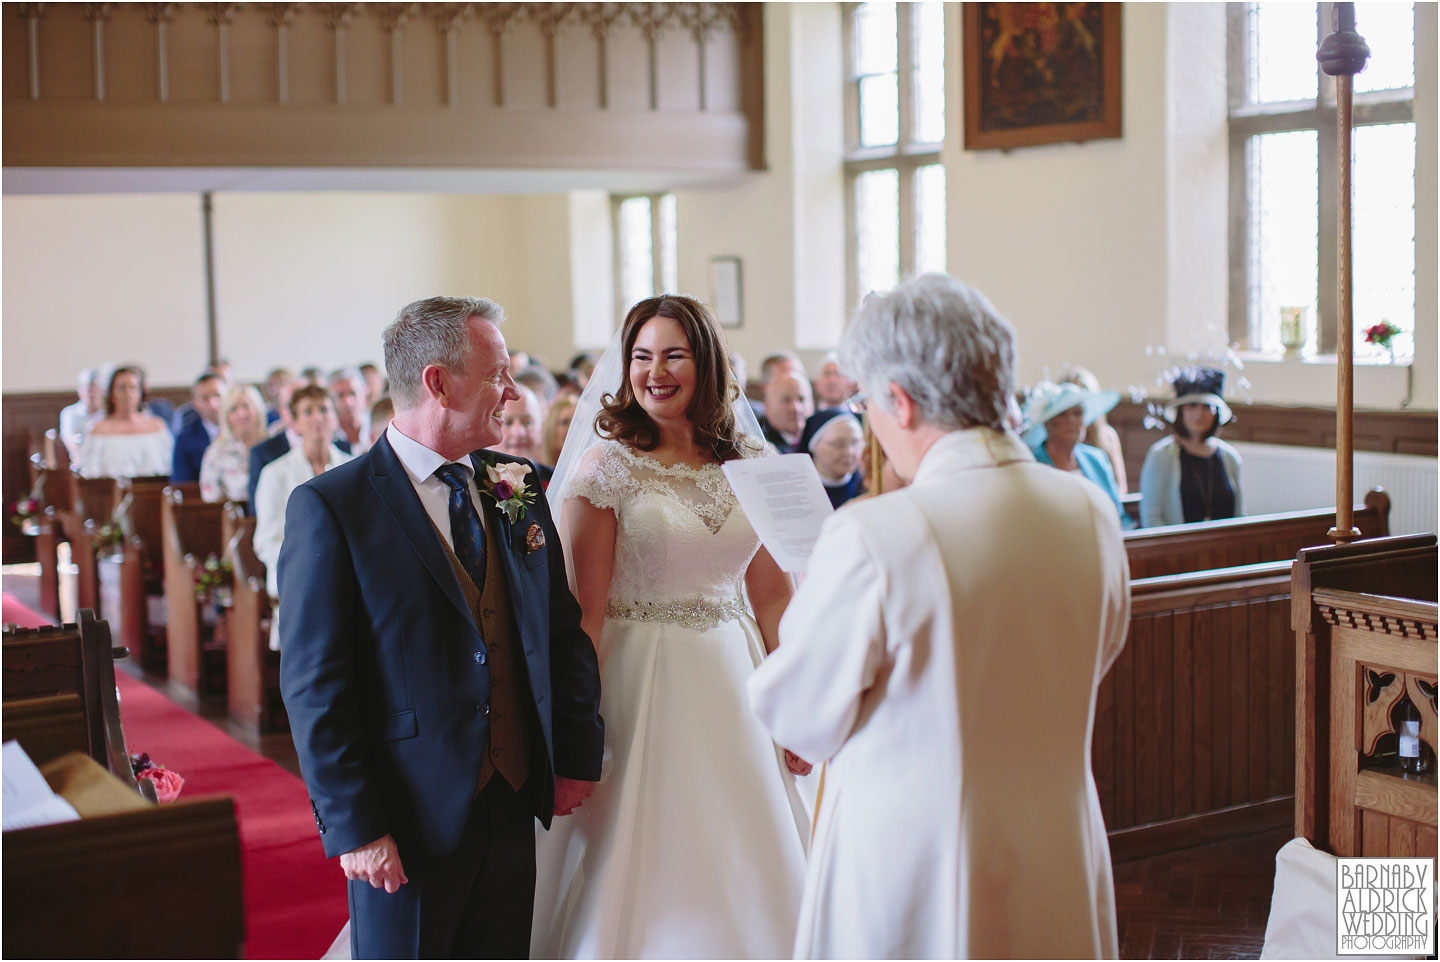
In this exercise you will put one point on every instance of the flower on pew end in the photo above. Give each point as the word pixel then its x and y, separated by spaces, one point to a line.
pixel 211 577
pixel 167 783
pixel 23 510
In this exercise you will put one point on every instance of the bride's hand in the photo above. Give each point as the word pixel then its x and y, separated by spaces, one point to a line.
pixel 796 764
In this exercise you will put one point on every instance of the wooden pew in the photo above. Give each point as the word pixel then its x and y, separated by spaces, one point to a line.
pixel 1174 549
pixel 1194 723
pixel 50 481
pixel 191 533
pixel 74 660
pixel 128 880
pixel 140 621
pixel 92 502
pixel 1365 626
pixel 252 669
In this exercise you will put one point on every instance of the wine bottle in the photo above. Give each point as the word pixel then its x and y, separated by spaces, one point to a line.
pixel 1410 740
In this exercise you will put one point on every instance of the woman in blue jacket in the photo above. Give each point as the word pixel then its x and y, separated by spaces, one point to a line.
pixel 1057 416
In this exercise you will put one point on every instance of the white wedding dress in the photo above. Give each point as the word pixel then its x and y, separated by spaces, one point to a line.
pixel 693 842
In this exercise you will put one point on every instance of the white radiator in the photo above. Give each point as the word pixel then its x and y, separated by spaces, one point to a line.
pixel 1281 477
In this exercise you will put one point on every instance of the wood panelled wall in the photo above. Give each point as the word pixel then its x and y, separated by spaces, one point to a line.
pixel 1197 714
pixel 561 85
pixel 1393 432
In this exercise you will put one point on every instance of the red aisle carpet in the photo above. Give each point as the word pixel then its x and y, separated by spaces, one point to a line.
pixel 294 897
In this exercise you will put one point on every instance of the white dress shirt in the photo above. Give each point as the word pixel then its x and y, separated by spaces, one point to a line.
pixel 420 464
pixel 272 492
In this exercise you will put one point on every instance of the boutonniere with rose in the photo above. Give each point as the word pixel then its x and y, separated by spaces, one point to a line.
pixel 505 484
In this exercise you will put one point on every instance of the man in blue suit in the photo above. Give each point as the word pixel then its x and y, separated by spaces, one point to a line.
pixel 440 690
pixel 206 399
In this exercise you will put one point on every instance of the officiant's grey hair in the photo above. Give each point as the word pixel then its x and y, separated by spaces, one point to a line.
pixel 431 331
pixel 940 340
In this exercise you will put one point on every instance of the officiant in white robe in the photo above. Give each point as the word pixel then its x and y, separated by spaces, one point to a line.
pixel 942 656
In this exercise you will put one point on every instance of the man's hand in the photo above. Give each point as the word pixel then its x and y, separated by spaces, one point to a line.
pixel 796 764
pixel 569 793
pixel 377 863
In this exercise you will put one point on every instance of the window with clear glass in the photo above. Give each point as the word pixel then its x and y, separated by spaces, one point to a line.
pixel 1284 171
pixel 646 261
pixel 895 125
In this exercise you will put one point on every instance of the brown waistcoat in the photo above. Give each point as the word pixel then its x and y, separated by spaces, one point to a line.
pixel 514 729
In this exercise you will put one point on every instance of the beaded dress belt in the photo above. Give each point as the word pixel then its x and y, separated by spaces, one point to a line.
pixel 697 614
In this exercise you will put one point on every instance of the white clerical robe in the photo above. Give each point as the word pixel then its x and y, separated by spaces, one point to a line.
pixel 943 654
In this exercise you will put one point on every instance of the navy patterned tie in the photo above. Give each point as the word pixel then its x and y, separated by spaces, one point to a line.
pixel 465 530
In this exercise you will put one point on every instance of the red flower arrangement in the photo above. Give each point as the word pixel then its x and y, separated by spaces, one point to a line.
pixel 167 783
pixel 1381 333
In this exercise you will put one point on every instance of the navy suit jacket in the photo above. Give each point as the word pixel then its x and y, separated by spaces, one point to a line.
pixel 383 668
pixel 190 445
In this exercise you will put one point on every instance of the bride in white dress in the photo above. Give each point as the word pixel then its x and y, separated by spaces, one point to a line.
pixel 693 842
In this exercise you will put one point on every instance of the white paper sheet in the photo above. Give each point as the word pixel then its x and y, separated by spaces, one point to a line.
pixel 785 502
pixel 27 800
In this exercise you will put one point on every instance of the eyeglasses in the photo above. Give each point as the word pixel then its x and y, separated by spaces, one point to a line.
pixel 857 402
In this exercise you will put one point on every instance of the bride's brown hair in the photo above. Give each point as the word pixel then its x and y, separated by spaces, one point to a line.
pixel 621 417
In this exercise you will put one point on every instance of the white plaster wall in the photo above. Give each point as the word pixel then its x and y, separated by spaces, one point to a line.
pixel 95 279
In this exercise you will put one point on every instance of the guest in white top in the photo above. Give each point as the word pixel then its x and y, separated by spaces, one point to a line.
pixel 313 416
pixel 953 824
pixel 225 469
pixel 128 442
pixel 76 419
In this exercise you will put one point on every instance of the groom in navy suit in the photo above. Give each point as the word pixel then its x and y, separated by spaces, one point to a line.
pixel 440 690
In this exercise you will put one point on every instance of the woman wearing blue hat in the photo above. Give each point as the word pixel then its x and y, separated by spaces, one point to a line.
pixel 1056 416
pixel 1192 475
pixel 834 439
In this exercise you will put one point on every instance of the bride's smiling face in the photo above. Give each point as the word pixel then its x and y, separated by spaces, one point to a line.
pixel 662 369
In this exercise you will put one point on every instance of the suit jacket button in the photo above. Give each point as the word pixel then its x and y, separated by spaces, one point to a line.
pixel 485 709
pixel 479 657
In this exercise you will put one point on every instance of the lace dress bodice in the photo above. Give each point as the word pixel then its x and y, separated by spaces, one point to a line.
pixel 682 544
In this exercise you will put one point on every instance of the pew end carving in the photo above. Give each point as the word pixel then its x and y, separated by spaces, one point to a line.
pixel 1365 626
pixel 191 533
pixel 253 669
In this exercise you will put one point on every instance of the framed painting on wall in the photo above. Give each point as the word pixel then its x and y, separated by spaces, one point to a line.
pixel 725 291
pixel 1040 73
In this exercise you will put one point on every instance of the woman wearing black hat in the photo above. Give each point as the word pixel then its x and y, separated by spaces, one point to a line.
pixel 1192 475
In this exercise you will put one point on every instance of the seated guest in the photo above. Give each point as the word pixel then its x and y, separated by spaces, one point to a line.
pixel 557 426
pixel 1100 434
pixel 76 419
pixel 541 381
pixel 186 415
pixel 282 435
pixel 201 430
pixel 832 388
pixel 581 366
pixel 313 415
pixel 157 406
pixel 520 431
pixel 519 361
pixel 1192 475
pixel 225 469
pixel 787 404
pixel 1057 416
pixel 773 364
pixel 569 385
pixel 382 412
pixel 374 384
pixel 277 379
pixel 128 442
pixel 347 390
pixel 834 439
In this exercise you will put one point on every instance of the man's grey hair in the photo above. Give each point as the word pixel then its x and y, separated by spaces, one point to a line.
pixel 87 377
pixel 427 332
pixel 345 374
pixel 943 343
pixel 539 380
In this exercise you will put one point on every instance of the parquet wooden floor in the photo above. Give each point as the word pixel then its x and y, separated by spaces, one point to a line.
pixel 1203 903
